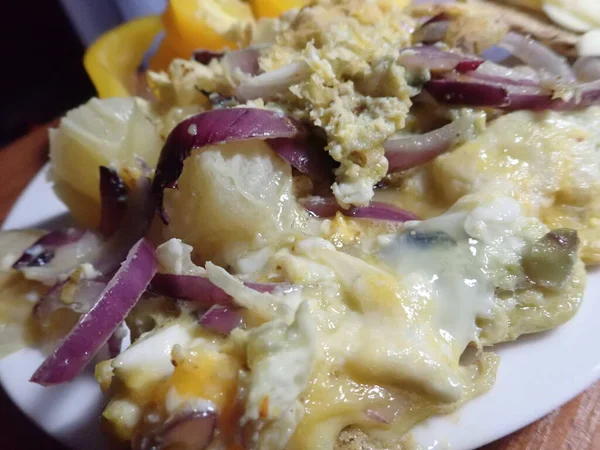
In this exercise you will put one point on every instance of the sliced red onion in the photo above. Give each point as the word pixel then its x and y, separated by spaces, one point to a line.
pixel 589 92
pixel 410 151
pixel 221 319
pixel 206 56
pixel 113 200
pixel 532 98
pixel 134 225
pixel 42 251
pixel 190 287
pixel 468 66
pixel 245 60
pixel 324 207
pixel 538 56
pixel 306 154
pixel 469 92
pixel 433 31
pixel 270 84
pixel 95 327
pixel 188 430
pixel 82 298
pixel 587 69
pixel 495 73
pixel 586 95
pixel 214 127
pixel 495 54
pixel 200 289
pixel 475 92
pixel 381 211
pixel 436 60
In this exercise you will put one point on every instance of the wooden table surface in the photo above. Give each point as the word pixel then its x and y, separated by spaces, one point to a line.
pixel 575 426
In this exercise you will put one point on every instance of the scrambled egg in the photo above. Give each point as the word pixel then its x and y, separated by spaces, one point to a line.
pixel 355 89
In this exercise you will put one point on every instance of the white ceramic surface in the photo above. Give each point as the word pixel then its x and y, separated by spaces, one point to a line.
pixel 537 374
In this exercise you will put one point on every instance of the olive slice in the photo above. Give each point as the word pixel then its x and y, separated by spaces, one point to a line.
pixel 550 260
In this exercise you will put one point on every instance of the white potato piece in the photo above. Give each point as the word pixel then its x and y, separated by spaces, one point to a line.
pixel 231 198
pixel 110 132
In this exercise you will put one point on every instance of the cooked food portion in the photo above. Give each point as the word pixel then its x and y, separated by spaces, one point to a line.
pixel 312 241
pixel 546 161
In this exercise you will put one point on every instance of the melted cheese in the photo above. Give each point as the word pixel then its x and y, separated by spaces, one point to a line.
pixel 547 161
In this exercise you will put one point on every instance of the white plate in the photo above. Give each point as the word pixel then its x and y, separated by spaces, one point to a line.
pixel 536 375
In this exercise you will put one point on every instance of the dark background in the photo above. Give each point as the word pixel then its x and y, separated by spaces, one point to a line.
pixel 41 70
pixel 41 77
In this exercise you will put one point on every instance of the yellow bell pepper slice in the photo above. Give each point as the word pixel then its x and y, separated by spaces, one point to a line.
pixel 113 59
pixel 198 24
pixel 274 8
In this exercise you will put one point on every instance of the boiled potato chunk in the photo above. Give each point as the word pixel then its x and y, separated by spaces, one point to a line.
pixel 231 198
pixel 110 132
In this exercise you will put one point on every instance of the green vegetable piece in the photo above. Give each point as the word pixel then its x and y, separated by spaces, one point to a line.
pixel 550 260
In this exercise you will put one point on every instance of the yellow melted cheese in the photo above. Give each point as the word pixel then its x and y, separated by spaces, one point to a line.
pixel 548 162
